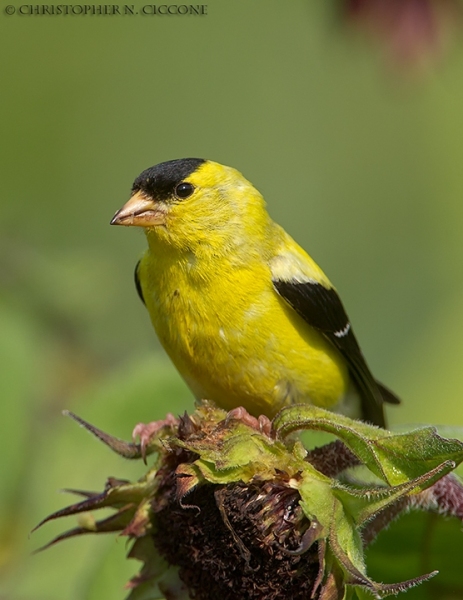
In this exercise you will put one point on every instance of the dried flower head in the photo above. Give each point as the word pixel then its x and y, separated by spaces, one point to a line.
pixel 233 508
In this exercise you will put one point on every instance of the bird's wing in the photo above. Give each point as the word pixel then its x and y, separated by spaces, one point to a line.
pixel 137 281
pixel 312 297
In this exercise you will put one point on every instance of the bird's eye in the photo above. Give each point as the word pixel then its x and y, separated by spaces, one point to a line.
pixel 183 190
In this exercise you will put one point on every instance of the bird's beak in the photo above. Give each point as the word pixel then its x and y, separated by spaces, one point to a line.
pixel 140 211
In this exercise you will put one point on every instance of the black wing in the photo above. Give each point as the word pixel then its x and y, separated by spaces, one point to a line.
pixel 322 308
pixel 137 283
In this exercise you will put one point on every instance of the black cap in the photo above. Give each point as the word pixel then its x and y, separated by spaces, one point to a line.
pixel 161 180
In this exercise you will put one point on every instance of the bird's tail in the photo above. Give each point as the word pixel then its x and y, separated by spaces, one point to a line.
pixel 387 394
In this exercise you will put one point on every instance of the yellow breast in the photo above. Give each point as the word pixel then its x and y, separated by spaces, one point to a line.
pixel 234 340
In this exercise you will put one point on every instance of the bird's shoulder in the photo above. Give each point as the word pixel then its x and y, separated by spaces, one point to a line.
pixel 298 279
pixel 290 262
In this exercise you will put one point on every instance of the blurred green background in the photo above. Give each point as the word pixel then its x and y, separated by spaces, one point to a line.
pixel 359 160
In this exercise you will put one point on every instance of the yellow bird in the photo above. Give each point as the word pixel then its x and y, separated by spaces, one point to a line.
pixel 246 316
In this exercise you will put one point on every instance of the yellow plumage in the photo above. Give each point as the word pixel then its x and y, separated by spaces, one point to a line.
pixel 208 282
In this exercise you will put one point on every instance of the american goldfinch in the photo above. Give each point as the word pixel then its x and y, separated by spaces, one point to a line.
pixel 245 314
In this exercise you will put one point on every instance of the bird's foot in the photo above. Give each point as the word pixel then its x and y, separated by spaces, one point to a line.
pixel 146 431
pixel 262 423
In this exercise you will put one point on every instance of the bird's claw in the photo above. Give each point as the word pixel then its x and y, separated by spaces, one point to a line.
pixel 146 431
pixel 262 423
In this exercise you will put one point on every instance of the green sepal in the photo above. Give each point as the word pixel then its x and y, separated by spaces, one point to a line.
pixel 394 458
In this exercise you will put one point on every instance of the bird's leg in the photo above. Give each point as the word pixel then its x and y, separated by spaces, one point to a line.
pixel 262 423
pixel 145 431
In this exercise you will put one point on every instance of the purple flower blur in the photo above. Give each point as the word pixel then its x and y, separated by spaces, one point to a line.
pixel 415 32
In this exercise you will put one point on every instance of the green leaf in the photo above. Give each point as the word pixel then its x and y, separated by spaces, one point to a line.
pixel 394 458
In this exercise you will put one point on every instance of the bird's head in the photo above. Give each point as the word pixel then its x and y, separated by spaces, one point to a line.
pixel 190 202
